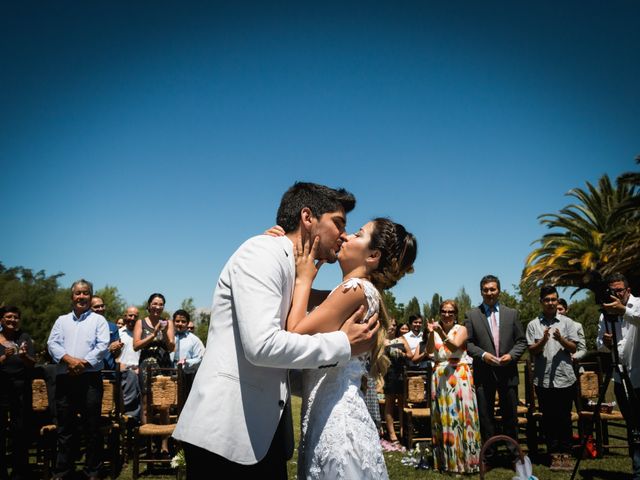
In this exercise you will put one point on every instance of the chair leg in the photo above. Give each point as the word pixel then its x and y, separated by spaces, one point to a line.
pixel 114 450
pixel 605 436
pixel 136 457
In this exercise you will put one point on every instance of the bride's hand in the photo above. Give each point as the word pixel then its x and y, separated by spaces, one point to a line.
pixel 275 231
pixel 305 256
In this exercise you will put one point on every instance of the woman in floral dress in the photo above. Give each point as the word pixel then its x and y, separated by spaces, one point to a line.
pixel 454 410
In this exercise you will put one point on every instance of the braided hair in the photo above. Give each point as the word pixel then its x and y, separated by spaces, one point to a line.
pixel 398 249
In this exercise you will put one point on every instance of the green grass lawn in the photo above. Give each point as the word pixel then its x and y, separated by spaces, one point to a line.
pixel 615 465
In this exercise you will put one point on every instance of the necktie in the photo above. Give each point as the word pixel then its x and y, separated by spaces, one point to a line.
pixel 495 330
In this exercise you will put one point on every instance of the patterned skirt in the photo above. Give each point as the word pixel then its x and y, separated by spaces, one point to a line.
pixel 454 419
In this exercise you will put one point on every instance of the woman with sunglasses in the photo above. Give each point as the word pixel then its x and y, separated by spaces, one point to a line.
pixel 454 409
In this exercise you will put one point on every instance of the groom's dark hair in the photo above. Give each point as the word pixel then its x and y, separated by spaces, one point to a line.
pixel 318 198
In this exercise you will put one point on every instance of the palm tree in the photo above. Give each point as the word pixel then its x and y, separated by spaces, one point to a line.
pixel 630 251
pixel 592 238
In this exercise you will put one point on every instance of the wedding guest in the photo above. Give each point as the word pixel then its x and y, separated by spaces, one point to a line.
pixel 129 360
pixel 581 344
pixel 552 338
pixel 16 365
pixel 403 329
pixel 397 349
pixel 154 338
pixel 413 338
pixel 454 410
pixel 78 343
pixel 189 348
pixel 495 341
pixel 115 345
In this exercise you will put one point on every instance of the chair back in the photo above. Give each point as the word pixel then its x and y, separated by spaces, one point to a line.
pixel 39 395
pixel 416 387
pixel 108 398
pixel 164 389
pixel 589 385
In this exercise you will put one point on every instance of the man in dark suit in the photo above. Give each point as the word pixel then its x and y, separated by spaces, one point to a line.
pixel 496 341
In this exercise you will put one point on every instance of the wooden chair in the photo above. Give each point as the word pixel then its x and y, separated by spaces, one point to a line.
pixel 533 414
pixel 590 386
pixel 111 422
pixel 416 408
pixel 164 393
pixel 44 425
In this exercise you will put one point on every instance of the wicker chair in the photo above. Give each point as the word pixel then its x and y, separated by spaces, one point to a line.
pixel 164 394
pixel 44 426
pixel 416 408
pixel 111 422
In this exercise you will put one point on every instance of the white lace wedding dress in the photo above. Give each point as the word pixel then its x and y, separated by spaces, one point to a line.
pixel 339 439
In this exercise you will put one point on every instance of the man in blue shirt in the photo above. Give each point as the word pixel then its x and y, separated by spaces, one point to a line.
pixel 189 348
pixel 115 345
pixel 78 343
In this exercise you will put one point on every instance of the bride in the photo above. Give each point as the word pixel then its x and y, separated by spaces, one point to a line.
pixel 339 439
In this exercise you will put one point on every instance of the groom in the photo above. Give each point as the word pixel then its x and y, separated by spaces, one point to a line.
pixel 237 416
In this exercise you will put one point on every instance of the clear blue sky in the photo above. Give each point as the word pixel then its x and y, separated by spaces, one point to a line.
pixel 142 142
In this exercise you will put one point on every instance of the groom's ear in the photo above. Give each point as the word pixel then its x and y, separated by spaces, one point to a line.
pixel 306 218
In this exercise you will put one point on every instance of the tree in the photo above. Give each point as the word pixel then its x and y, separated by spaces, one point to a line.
pixel 463 300
pixel 436 301
pixel 202 325
pixel 426 310
pixel 629 256
pixel 393 310
pixel 586 312
pixel 508 300
pixel 188 306
pixel 39 297
pixel 595 235
pixel 412 308
pixel 528 304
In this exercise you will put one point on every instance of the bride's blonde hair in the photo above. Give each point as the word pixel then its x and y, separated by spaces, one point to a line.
pixel 398 249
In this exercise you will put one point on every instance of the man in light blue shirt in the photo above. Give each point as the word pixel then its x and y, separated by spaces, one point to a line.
pixel 189 348
pixel 78 343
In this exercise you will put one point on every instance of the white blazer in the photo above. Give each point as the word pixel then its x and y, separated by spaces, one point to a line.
pixel 241 387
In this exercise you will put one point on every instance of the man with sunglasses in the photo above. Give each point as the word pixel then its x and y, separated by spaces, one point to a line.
pixel 626 309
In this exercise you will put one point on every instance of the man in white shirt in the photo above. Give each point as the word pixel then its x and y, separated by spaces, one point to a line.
pixel 78 343
pixel 128 361
pixel 625 309
pixel 413 338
